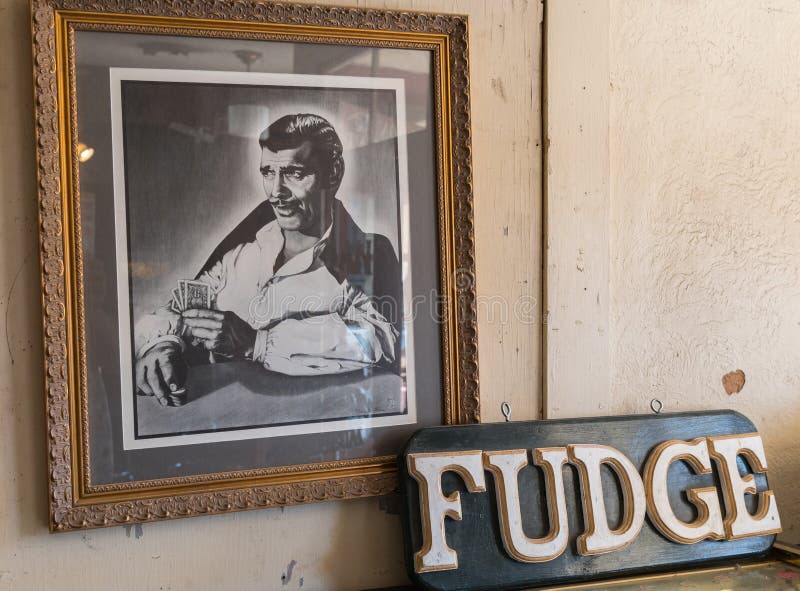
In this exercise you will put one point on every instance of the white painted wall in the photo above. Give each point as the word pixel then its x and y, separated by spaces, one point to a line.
pixel 577 208
pixel 351 545
pixel 687 246
pixel 705 215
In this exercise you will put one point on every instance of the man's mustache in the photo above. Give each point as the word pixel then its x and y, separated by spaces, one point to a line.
pixel 290 202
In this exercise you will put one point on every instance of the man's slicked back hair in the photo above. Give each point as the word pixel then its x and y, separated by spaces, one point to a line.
pixel 292 130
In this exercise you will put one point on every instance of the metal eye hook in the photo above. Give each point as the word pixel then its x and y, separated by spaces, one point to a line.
pixel 505 408
pixel 656 406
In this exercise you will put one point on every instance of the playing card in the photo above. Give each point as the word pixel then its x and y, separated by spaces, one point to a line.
pixel 176 304
pixel 198 294
pixel 182 292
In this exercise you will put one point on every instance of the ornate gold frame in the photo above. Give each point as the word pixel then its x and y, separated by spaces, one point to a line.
pixel 74 502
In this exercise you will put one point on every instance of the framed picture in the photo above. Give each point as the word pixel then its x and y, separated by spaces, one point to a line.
pixel 257 251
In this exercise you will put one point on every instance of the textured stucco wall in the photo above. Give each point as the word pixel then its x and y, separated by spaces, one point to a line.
pixel 705 215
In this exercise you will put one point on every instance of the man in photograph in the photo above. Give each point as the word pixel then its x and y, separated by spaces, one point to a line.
pixel 296 287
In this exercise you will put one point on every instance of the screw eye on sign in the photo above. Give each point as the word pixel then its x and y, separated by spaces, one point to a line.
pixel 510 505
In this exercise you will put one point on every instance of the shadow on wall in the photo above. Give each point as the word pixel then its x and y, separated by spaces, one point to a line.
pixel 372 568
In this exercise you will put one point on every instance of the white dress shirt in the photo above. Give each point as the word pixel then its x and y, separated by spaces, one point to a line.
pixel 307 321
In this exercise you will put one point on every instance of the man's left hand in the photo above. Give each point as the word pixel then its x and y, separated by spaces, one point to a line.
pixel 220 332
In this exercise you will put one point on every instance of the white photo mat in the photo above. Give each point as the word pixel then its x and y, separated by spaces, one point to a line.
pixel 127 385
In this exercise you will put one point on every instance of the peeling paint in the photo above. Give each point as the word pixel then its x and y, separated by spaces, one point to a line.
pixel 88 541
pixel 733 382
pixel 137 531
pixel 497 86
pixel 287 576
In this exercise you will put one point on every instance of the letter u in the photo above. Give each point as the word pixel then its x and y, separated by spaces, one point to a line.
pixel 505 466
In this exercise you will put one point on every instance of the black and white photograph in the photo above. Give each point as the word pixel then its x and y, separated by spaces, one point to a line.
pixel 258 256
pixel 263 276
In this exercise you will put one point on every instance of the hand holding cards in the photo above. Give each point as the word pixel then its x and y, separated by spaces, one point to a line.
pixel 190 295
pixel 162 370
pixel 221 333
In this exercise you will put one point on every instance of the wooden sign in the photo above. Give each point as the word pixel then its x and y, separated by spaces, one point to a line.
pixel 508 505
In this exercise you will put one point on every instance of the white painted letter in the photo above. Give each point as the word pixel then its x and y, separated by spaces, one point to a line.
pixel 599 538
pixel 709 514
pixel 739 523
pixel 505 465
pixel 427 469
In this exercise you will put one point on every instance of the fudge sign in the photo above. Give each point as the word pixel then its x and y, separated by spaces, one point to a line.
pixel 512 504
